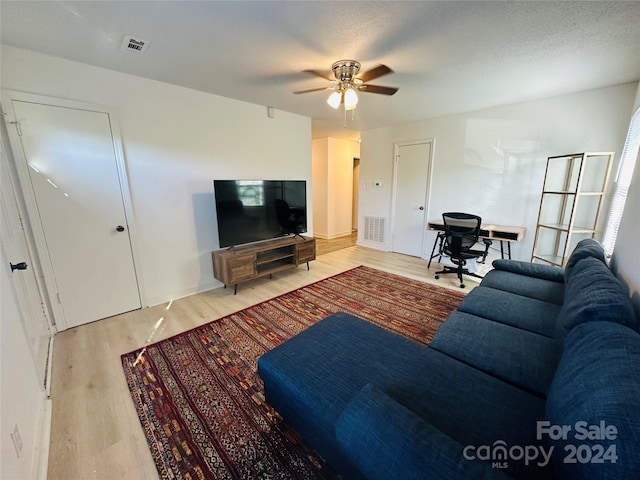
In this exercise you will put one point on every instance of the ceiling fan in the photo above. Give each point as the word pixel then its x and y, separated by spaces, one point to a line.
pixel 347 82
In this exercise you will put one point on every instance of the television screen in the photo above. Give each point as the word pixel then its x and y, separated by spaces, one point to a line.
pixel 254 210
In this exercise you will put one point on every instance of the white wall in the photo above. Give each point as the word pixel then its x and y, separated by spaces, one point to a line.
pixel 22 399
pixel 320 176
pixel 491 162
pixel 176 141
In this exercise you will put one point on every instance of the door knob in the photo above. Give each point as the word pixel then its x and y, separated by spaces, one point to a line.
pixel 18 266
pixel 421 208
pixel 120 228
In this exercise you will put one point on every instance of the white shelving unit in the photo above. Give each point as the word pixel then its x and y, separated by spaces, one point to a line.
pixel 572 197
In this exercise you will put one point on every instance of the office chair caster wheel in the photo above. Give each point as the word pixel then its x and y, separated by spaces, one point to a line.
pixel 437 277
pixel 462 285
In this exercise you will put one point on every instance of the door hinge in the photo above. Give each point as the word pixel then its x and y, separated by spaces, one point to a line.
pixel 18 128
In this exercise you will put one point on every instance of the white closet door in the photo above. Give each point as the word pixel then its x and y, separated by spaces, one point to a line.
pixel 22 285
pixel 411 183
pixel 73 171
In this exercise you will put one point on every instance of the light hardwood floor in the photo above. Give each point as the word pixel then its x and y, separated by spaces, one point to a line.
pixel 95 430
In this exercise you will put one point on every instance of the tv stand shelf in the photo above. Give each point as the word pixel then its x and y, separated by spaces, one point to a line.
pixel 244 263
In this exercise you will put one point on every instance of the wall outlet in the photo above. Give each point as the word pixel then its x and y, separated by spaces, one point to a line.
pixel 17 440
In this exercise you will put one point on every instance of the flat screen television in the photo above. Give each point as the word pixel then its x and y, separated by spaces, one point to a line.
pixel 254 210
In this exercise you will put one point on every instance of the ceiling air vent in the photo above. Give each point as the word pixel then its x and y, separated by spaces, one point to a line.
pixel 134 45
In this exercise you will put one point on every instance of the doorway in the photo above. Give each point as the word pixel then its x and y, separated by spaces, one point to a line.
pixel 412 164
pixel 71 171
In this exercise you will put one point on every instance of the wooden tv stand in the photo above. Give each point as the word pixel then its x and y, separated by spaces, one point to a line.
pixel 244 263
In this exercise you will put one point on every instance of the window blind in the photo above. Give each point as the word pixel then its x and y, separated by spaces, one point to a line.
pixel 623 180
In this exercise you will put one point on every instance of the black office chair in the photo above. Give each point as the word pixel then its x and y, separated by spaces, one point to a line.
pixel 461 233
pixel 286 218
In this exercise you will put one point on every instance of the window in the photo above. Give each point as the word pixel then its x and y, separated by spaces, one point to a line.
pixel 623 180
pixel 251 192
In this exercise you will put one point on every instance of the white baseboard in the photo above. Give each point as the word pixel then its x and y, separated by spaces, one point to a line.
pixel 376 245
pixel 44 438
pixel 324 236
pixel 158 300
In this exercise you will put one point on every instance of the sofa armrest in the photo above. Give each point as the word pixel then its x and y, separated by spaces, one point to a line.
pixel 387 441
pixel 538 270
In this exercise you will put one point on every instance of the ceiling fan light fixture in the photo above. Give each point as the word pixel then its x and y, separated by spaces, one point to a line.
pixel 350 99
pixel 334 99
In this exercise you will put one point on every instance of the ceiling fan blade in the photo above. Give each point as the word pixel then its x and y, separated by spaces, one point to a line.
pixel 374 73
pixel 314 90
pixel 378 89
pixel 320 74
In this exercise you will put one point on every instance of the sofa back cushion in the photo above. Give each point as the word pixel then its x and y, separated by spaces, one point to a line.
pixel 594 401
pixel 593 293
pixel 587 248
pixel 537 270
pixel 525 285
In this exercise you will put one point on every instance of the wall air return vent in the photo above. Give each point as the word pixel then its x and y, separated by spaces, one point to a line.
pixel 374 228
pixel 134 45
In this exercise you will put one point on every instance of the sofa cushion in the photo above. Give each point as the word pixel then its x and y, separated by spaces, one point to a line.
pixel 387 441
pixel 521 358
pixel 512 309
pixel 528 286
pixel 587 248
pixel 310 378
pixel 537 270
pixel 594 294
pixel 598 383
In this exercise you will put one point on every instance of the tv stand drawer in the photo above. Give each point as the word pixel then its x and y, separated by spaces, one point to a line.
pixel 306 252
pixel 241 267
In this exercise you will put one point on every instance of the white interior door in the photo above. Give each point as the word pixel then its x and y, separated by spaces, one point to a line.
pixel 24 285
pixel 71 166
pixel 410 197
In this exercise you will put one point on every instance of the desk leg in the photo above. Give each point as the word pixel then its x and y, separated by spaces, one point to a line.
pixel 487 243
pixel 438 239
pixel 508 249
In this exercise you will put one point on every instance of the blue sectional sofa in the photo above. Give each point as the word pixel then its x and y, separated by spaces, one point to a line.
pixel 536 375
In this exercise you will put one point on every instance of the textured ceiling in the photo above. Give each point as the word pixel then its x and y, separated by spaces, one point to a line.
pixel 448 56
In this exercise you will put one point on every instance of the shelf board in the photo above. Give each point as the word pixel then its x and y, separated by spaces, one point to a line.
pixel 272 256
pixel 552 259
pixel 558 192
pixel 580 194
pixel 273 267
pixel 565 228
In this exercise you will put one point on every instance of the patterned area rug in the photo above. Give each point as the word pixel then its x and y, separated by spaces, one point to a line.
pixel 200 400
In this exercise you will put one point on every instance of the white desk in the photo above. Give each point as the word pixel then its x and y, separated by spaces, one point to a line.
pixel 489 232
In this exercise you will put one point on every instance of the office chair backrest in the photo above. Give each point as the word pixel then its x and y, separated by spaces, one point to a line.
pixel 462 230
